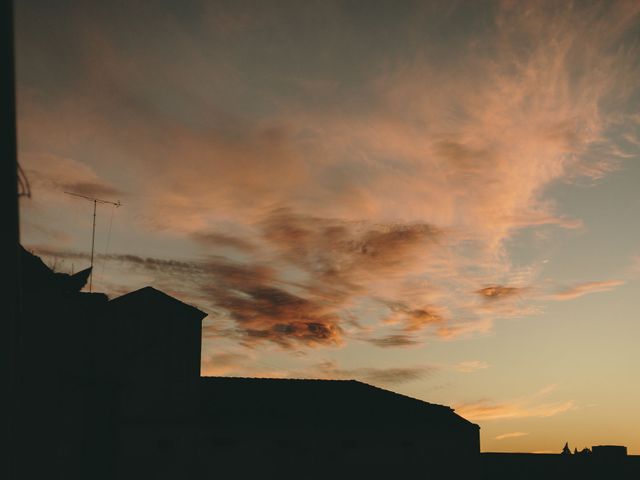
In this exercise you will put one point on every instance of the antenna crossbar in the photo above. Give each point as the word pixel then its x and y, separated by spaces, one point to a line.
pixel 93 232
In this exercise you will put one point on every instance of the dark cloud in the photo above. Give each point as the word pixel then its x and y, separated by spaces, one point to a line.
pixel 393 376
pixel 250 295
pixel 464 159
pixel 52 174
pixel 264 312
pixel 216 239
pixel 387 376
pixel 341 255
pixel 367 243
pixel 91 189
pixel 337 260
pixel 496 292
pixel 393 341
pixel 418 319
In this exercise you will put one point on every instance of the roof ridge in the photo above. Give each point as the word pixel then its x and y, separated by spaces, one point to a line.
pixel 283 378
pixel 152 290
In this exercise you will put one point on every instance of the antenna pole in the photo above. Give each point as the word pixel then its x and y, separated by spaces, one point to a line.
pixel 95 201
pixel 93 239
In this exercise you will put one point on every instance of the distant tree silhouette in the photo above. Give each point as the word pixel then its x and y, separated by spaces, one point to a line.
pixel 566 450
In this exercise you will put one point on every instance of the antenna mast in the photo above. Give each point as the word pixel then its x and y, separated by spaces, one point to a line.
pixel 93 232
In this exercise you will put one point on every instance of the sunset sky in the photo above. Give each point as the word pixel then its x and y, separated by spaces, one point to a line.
pixel 438 198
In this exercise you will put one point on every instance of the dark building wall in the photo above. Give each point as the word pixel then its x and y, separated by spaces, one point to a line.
pixel 151 337
pixel 328 429
pixel 265 428
pixel 56 391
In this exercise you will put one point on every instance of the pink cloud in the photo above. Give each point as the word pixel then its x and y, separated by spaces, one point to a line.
pixel 586 288
pixel 408 203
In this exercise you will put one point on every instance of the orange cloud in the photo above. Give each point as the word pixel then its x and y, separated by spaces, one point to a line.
pixel 494 292
pixel 487 411
pixel 384 376
pixel 511 435
pixel 223 363
pixel 524 407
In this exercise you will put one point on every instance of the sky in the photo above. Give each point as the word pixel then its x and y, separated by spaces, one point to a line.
pixel 437 198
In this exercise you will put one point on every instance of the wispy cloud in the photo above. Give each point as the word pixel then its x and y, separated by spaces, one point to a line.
pixel 382 376
pixel 533 405
pixel 394 341
pixel 223 363
pixel 586 288
pixel 470 366
pixel 511 435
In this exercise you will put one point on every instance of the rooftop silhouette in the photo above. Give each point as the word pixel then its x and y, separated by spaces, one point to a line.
pixel 115 385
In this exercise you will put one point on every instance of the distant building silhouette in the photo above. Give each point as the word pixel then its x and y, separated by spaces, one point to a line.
pixel 612 452
pixel 601 462
pixel 111 389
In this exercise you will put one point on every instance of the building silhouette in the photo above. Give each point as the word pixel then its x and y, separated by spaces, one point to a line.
pixel 111 389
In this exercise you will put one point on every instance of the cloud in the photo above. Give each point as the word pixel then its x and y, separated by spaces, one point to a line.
pixel 394 341
pixel 511 435
pixel 217 239
pixel 54 175
pixel 413 319
pixel 484 411
pixel 495 292
pixel 384 376
pixel 391 376
pixel 268 313
pixel 345 251
pixel 244 293
pixel 470 366
pixel 586 288
pixel 401 189
pixel 224 363
pixel 533 405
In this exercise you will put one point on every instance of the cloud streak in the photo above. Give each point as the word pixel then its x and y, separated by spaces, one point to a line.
pixel 532 406
pixel 586 288
pixel 383 376
pixel 504 436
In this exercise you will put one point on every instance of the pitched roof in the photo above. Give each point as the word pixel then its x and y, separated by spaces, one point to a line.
pixel 149 298
pixel 326 401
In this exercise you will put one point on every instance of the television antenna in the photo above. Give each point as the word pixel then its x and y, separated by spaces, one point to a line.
pixel 95 201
